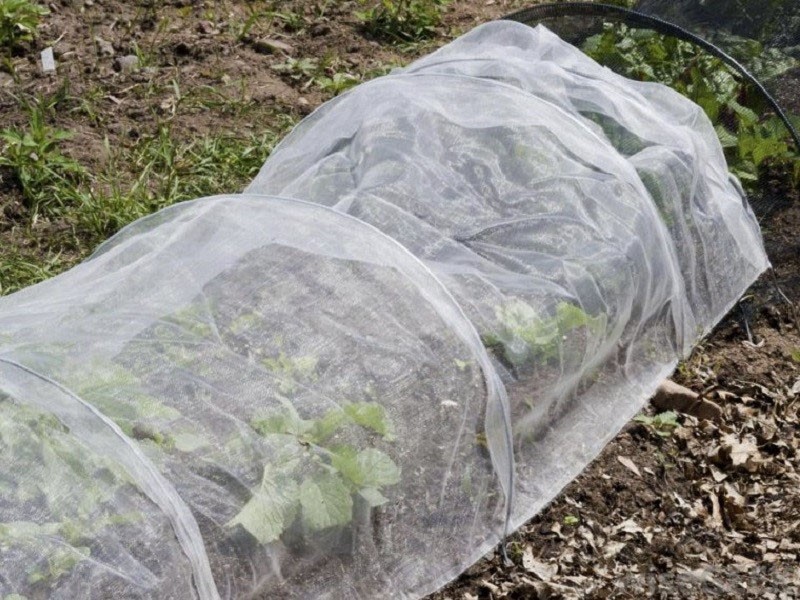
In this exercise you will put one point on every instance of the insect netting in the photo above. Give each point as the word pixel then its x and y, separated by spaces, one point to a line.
pixel 445 291
pixel 737 59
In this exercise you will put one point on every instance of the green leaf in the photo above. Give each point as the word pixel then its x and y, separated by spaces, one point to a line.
pixel 746 115
pixel 726 138
pixel 326 502
pixel 371 415
pixel 327 425
pixel 373 497
pixel 369 468
pixel 285 421
pixel 271 510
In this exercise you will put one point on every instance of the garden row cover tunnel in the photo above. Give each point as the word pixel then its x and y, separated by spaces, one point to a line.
pixel 443 294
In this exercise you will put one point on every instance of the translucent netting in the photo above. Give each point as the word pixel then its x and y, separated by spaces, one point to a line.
pixel 259 396
pixel 763 35
pixel 586 223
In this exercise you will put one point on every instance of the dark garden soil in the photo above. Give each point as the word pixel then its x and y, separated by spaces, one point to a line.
pixel 707 509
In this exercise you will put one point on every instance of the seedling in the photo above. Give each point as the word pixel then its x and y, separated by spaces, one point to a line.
pixel 337 83
pixel 19 20
pixel 662 424
pixel 310 71
pixel 315 479
pixel 524 336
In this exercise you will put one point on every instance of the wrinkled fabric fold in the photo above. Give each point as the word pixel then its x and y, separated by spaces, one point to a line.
pixel 444 293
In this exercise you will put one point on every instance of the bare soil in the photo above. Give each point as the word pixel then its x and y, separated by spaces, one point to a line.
pixel 706 510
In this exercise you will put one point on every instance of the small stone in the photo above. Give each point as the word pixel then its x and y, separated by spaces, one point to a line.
pixel 671 396
pixel 206 27
pixel 126 64
pixel 48 60
pixel 320 29
pixel 270 46
pixel 104 47
pixel 302 101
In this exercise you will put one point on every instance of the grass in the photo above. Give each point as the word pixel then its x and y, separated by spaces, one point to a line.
pixel 20 269
pixel 34 159
pixel 67 208
pixel 169 171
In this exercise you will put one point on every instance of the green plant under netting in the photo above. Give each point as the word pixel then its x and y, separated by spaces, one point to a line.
pixel 525 337
pixel 315 480
pixel 755 146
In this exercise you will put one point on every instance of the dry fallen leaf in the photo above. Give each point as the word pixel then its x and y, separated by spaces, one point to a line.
pixel 629 464
pixel 543 571
pixel 739 453
pixel 613 548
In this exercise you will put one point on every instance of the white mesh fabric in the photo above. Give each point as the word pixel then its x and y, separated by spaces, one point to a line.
pixel 260 396
pixel 587 223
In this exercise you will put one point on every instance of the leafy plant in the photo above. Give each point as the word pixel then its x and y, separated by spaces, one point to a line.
pixel 299 69
pixel 402 20
pixel 19 20
pixel 310 71
pixel 337 83
pixel 752 146
pixel 314 481
pixel 36 162
pixel 524 335
pixel 663 424
pixel 291 370
pixel 51 519
pixel 292 22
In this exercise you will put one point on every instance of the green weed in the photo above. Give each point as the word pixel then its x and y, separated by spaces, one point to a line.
pixel 19 20
pixel 168 171
pixel 299 69
pixel 402 20
pixel 34 159
pixel 18 270
pixel 662 424
pixel 337 83
pixel 291 22
pixel 321 73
